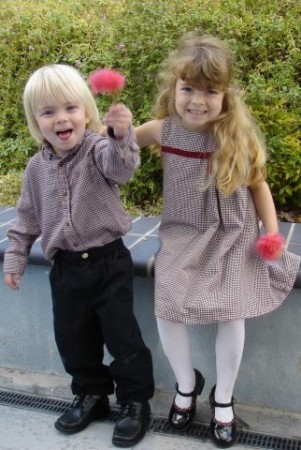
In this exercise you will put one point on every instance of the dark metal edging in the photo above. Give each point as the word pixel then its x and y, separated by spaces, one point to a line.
pixel 157 424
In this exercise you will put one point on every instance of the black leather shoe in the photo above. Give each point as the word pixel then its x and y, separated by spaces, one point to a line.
pixel 131 423
pixel 180 418
pixel 84 410
pixel 222 434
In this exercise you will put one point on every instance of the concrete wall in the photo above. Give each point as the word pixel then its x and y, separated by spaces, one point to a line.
pixel 270 374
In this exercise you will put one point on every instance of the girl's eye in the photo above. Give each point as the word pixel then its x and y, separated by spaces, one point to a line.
pixel 186 89
pixel 212 92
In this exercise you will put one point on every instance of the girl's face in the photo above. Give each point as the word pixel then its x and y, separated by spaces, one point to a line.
pixel 197 107
pixel 62 124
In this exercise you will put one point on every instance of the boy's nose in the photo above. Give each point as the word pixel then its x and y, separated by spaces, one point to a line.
pixel 61 116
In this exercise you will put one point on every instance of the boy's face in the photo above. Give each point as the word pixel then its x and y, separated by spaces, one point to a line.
pixel 62 124
pixel 197 107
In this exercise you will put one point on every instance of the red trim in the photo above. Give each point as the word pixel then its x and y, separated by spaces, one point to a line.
pixel 185 153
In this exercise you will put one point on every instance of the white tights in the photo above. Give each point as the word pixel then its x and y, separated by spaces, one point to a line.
pixel 229 346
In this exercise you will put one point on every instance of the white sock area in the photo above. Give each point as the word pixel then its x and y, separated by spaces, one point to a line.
pixel 229 347
pixel 176 346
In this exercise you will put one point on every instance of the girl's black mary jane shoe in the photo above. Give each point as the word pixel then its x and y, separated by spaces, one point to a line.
pixel 222 434
pixel 180 418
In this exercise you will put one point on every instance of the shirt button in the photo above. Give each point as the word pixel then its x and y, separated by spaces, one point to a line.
pixel 85 255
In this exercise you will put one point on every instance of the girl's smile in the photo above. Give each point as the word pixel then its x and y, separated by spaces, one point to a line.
pixel 197 107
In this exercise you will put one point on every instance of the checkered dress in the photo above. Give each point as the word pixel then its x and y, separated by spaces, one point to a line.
pixel 206 270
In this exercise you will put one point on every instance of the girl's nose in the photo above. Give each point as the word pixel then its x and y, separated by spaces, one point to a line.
pixel 198 98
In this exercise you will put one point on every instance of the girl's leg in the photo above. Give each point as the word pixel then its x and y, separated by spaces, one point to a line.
pixel 229 347
pixel 175 342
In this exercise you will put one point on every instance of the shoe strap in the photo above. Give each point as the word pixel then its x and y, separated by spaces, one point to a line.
pixel 223 405
pixel 183 394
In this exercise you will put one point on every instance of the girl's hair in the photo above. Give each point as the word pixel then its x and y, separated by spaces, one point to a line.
pixel 57 83
pixel 206 62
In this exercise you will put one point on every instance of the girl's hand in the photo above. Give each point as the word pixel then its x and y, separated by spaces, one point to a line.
pixel 271 246
pixel 119 117
pixel 12 280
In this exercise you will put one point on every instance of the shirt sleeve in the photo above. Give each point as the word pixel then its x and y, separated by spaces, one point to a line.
pixel 22 234
pixel 118 159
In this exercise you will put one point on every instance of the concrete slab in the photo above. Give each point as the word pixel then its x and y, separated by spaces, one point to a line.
pixel 27 430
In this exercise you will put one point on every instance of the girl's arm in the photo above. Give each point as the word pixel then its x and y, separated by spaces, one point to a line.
pixel 272 244
pixel 265 207
pixel 149 133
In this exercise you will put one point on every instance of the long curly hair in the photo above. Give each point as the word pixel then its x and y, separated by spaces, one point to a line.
pixel 205 61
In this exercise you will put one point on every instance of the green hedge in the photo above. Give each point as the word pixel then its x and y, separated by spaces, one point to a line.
pixel 134 36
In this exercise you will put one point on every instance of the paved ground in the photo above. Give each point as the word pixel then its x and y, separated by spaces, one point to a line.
pixel 26 429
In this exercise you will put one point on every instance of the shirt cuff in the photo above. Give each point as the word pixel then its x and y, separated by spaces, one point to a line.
pixel 127 147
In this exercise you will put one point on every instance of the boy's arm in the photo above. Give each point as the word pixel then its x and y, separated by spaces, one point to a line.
pixel 117 156
pixel 22 234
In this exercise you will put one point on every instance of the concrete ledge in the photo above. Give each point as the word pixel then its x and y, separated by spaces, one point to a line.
pixel 142 241
pixel 270 374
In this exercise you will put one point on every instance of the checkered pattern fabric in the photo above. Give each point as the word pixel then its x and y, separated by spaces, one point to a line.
pixel 73 202
pixel 207 270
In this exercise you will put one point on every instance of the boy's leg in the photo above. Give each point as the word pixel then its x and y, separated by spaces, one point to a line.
pixel 77 331
pixel 80 343
pixel 131 368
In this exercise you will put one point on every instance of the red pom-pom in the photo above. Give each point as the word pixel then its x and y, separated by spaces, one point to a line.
pixel 106 80
pixel 269 245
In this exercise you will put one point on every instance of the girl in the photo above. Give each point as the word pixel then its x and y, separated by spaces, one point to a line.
pixel 214 191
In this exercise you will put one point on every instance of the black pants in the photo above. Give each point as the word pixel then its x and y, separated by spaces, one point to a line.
pixel 92 295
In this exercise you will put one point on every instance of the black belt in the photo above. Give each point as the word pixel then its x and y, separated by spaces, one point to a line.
pixel 93 253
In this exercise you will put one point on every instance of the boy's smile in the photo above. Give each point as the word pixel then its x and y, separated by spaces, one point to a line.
pixel 62 125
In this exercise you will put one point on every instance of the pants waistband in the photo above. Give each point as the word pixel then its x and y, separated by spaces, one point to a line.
pixel 90 254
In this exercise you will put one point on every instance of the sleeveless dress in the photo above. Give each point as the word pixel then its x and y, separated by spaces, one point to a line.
pixel 207 269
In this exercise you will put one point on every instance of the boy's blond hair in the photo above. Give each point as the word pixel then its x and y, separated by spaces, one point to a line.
pixel 57 83
pixel 206 62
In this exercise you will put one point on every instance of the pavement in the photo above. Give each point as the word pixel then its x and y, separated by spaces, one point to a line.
pixel 23 428
pixel 29 430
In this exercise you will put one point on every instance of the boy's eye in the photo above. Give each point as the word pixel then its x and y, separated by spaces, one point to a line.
pixel 47 112
pixel 71 107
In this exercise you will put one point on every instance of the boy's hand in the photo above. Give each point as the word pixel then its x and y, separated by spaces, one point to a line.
pixel 119 117
pixel 12 280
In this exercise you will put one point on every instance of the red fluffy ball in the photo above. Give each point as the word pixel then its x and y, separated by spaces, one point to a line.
pixel 106 80
pixel 269 245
